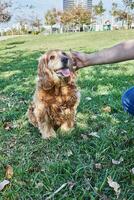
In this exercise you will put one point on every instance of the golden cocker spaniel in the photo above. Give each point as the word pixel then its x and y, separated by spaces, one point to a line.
pixel 56 96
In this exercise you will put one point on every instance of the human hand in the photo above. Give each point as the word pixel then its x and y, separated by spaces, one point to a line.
pixel 80 59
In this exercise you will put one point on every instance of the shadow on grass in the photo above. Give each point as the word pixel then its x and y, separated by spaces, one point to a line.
pixel 15 43
pixel 19 70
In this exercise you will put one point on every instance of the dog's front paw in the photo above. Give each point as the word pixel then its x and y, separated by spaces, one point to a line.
pixel 65 127
pixel 48 136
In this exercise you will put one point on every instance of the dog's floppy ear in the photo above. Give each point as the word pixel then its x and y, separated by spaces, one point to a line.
pixel 44 74
pixel 42 65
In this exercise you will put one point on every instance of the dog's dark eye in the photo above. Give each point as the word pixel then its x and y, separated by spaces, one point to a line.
pixel 52 57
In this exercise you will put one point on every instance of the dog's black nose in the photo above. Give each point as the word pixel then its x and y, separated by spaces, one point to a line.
pixel 64 60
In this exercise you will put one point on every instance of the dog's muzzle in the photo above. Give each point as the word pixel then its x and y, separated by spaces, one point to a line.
pixel 64 72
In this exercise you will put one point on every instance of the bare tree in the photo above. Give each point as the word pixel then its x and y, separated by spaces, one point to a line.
pixel 5 15
pixel 36 23
pixel 98 11
pixel 129 6
pixel 29 22
pixel 53 17
pixel 124 15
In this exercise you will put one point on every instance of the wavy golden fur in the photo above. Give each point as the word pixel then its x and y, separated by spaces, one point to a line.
pixel 56 96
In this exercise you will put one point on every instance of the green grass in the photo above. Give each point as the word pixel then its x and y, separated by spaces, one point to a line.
pixel 41 167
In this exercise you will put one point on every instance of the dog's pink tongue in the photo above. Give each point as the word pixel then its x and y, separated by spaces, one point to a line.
pixel 65 72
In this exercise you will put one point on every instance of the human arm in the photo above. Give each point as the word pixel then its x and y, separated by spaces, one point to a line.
pixel 121 52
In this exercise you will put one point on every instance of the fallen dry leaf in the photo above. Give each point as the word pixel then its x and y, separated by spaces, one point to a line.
pixel 12 142
pixel 57 191
pixel 84 137
pixel 2 110
pixel 69 153
pixel 9 172
pixel 22 101
pixel 21 183
pixel 88 98
pixel 114 185
pixel 117 162
pixel 3 184
pixel 132 170
pixel 8 126
pixel 94 134
pixel 71 185
pixel 94 117
pixel 98 166
pixel 107 109
pixel 39 185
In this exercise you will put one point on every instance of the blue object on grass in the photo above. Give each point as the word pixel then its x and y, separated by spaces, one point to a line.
pixel 128 101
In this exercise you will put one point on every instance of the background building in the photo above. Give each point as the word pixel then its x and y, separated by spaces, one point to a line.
pixel 67 4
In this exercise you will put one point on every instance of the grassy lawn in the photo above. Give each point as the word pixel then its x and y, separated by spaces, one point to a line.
pixel 41 167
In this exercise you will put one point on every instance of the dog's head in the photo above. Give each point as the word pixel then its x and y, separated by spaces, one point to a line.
pixel 55 66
